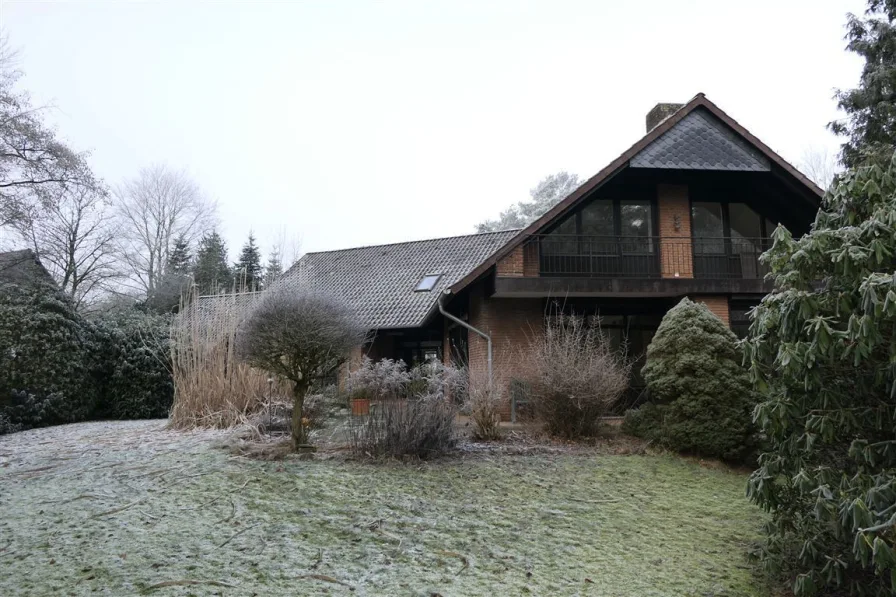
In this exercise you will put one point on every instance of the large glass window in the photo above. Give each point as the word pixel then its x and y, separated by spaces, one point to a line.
pixel 746 228
pixel 562 240
pixel 635 226
pixel 708 227
pixel 598 229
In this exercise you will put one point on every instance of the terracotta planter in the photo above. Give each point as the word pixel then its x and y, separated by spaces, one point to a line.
pixel 360 406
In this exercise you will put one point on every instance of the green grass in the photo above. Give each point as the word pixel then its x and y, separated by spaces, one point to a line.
pixel 498 525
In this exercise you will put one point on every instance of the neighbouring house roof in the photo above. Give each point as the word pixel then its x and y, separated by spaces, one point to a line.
pixel 380 282
pixel 22 268
pixel 698 136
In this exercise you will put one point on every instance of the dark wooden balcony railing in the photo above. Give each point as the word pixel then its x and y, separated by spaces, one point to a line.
pixel 646 256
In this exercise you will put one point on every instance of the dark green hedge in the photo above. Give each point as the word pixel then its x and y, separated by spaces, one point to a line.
pixel 45 376
pixel 58 367
pixel 132 365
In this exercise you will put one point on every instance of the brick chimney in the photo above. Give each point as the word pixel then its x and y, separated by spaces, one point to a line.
pixel 659 113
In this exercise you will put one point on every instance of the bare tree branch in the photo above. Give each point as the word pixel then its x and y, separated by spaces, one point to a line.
pixel 73 235
pixel 154 209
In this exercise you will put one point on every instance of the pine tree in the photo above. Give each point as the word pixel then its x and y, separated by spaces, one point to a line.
pixel 248 270
pixel 212 274
pixel 870 125
pixel 179 259
pixel 274 267
pixel 166 295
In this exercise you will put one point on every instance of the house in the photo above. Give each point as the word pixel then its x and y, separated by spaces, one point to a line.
pixel 685 211
pixel 23 268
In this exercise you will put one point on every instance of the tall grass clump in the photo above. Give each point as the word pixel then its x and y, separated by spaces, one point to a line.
pixel 212 387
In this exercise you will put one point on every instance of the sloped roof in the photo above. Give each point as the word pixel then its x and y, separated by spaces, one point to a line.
pixel 657 153
pixel 22 268
pixel 379 281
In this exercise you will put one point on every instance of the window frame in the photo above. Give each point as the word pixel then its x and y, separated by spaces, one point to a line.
pixel 429 288
pixel 576 216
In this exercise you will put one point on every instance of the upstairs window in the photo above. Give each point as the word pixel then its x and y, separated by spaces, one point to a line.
pixel 428 282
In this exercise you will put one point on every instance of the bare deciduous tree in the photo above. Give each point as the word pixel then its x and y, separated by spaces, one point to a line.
pixel 34 164
pixel 300 335
pixel 153 210
pixel 819 165
pixel 74 237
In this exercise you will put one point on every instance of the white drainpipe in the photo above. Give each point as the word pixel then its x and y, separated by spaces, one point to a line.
pixel 463 323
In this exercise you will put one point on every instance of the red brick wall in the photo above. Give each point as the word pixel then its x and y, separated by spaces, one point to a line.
pixel 675 223
pixel 511 322
pixel 522 261
pixel 718 305
pixel 512 264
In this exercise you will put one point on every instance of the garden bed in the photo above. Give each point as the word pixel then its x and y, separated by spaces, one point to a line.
pixel 120 508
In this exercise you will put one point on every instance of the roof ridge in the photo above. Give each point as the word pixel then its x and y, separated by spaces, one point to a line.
pixel 411 242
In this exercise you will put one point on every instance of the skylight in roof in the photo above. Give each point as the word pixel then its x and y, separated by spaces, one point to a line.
pixel 428 282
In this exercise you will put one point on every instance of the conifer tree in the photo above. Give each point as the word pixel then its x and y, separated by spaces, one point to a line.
pixel 248 270
pixel 274 268
pixel 870 124
pixel 211 274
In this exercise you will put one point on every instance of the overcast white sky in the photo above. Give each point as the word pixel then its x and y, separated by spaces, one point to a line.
pixel 353 123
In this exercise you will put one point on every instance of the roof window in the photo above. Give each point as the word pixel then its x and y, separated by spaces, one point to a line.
pixel 428 282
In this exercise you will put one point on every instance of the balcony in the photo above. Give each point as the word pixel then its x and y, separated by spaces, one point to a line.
pixel 646 257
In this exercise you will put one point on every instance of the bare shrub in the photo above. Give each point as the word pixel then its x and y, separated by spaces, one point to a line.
pixel 483 401
pixel 411 414
pixel 422 427
pixel 575 376
pixel 378 380
pixel 302 337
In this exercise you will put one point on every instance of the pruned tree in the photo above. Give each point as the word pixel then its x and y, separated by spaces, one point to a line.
pixel 546 194
pixel 74 235
pixel 301 336
pixel 248 270
pixel 154 209
pixel 211 274
pixel 35 165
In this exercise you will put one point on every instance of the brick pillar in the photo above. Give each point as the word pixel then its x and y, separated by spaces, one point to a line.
pixel 676 255
pixel 522 261
pixel 512 264
pixel 511 323
pixel 718 305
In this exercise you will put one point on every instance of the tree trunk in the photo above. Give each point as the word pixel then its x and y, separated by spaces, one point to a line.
pixel 299 436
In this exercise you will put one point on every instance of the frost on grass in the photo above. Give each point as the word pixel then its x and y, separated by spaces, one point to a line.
pixel 130 507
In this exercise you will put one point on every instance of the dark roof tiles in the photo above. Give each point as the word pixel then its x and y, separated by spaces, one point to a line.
pixel 379 281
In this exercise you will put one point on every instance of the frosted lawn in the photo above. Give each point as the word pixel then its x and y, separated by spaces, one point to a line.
pixel 121 508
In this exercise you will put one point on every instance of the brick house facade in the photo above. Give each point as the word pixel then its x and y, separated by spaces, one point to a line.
pixel 685 211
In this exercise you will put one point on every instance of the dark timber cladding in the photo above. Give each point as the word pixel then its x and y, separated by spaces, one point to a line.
pixel 731 148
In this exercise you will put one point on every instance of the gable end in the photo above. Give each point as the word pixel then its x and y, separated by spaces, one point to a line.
pixel 700 141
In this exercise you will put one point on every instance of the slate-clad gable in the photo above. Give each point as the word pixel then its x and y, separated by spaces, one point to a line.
pixel 379 282
pixel 700 141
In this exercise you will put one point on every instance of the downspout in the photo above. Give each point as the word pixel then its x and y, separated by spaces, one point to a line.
pixel 463 323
